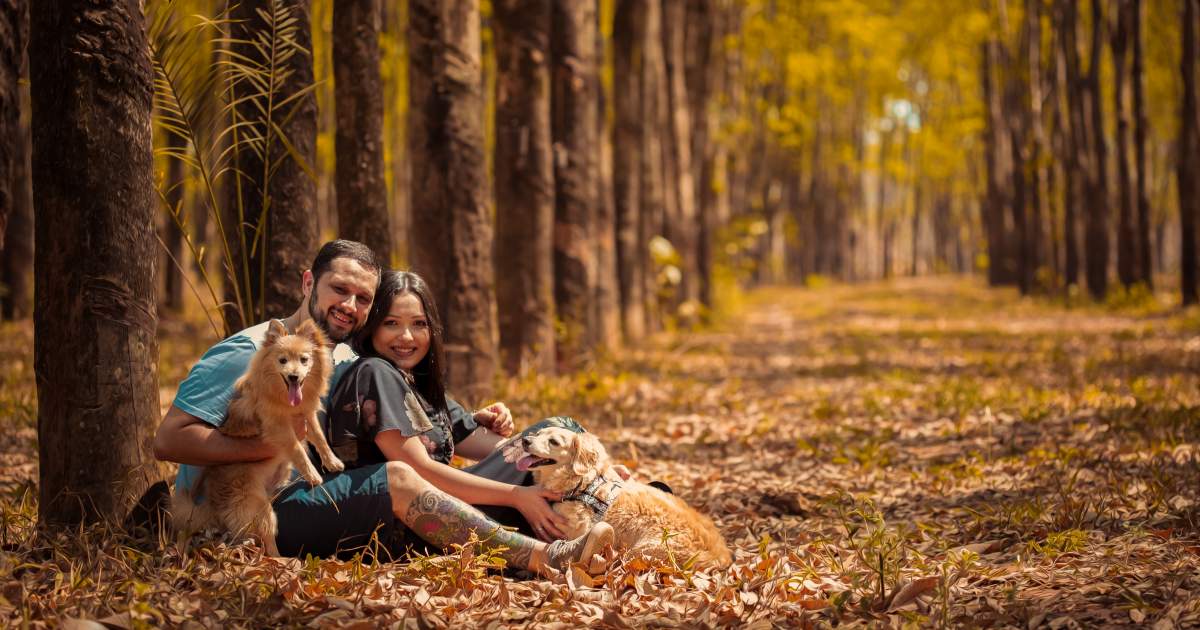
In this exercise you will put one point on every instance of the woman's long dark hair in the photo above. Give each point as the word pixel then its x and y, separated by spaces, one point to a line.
pixel 429 374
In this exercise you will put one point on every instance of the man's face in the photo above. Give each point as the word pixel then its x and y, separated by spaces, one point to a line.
pixel 341 299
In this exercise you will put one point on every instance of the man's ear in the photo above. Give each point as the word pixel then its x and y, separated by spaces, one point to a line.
pixel 275 330
pixel 307 283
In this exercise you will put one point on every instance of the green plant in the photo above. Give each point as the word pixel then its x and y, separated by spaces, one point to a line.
pixel 225 103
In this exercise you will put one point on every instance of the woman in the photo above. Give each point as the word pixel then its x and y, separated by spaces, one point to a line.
pixel 392 406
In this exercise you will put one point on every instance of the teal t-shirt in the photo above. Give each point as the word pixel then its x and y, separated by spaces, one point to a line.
pixel 208 388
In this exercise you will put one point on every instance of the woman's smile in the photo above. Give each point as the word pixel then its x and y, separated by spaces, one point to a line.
pixel 403 337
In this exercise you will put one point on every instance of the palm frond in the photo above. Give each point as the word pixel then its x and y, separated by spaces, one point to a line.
pixel 222 86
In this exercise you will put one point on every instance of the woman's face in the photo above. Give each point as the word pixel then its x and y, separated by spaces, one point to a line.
pixel 403 336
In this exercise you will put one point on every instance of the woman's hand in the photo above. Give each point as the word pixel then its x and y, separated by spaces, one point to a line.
pixel 623 471
pixel 496 417
pixel 532 503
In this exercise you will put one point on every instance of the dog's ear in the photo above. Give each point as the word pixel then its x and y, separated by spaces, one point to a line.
pixel 275 330
pixel 312 332
pixel 585 452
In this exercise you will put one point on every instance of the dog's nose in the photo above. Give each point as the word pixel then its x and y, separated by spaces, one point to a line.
pixel 293 378
pixel 525 442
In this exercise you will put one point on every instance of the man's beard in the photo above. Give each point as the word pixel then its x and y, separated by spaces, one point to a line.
pixel 322 321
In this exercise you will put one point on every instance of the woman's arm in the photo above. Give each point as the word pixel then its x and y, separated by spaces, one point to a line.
pixel 478 445
pixel 531 501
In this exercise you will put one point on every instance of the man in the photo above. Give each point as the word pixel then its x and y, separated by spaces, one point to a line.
pixel 338 291
pixel 348 510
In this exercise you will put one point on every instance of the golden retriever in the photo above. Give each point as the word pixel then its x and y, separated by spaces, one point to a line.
pixel 285 381
pixel 646 520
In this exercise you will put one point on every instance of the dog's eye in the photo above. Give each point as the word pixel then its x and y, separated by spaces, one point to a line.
pixel 555 441
pixel 304 360
pixel 282 360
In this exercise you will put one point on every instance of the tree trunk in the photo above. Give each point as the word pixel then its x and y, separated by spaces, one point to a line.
pixel 704 73
pixel 629 38
pixel 997 159
pixel 172 259
pixel 1016 108
pixel 606 303
pixel 525 226
pixel 14 20
pixel 1126 245
pixel 16 194
pixel 680 182
pixel 1140 131
pixel 658 204
pixel 269 273
pixel 576 173
pixel 451 237
pixel 1036 148
pixel 1096 220
pixel 1076 140
pixel 362 209
pixel 95 320
pixel 1189 154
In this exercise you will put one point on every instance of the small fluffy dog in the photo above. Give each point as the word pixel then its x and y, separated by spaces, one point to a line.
pixel 284 381
pixel 577 465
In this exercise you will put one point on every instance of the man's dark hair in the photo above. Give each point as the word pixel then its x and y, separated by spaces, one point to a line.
pixel 342 248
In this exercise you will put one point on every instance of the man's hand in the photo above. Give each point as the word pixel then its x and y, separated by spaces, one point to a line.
pixel 496 417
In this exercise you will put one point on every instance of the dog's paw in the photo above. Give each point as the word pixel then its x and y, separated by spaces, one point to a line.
pixel 333 464
pixel 311 475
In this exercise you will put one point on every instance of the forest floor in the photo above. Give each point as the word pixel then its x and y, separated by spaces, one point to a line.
pixel 920 453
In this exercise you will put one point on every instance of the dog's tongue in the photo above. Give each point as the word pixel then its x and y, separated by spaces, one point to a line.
pixel 295 394
pixel 524 463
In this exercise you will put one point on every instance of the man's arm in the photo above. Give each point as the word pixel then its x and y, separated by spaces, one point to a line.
pixel 185 439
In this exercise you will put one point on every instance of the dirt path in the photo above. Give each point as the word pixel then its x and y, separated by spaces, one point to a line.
pixel 1011 462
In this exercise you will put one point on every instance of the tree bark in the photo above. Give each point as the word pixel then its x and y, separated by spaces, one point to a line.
pixel 451 236
pixel 679 180
pixel 575 99
pixel 1140 131
pixel 606 303
pixel 362 208
pixel 14 20
pixel 1189 154
pixel 629 38
pixel 525 227
pixel 1076 140
pixel 1126 245
pixel 1096 219
pixel 16 194
pixel 269 273
pixel 657 203
pixel 997 159
pixel 1036 147
pixel 704 74
pixel 95 350
pixel 172 272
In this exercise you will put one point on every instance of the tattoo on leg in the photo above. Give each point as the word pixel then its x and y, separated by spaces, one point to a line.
pixel 443 520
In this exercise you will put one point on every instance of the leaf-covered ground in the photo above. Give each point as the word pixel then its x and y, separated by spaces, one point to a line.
pixel 921 453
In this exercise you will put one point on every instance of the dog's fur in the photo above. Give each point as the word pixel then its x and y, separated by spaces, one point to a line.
pixel 640 515
pixel 237 497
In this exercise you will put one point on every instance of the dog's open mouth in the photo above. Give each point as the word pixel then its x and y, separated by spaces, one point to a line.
pixel 532 461
pixel 295 394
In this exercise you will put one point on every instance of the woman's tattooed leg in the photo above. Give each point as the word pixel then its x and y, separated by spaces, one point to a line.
pixel 443 520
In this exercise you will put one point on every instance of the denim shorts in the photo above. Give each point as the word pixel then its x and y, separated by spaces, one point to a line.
pixel 351 511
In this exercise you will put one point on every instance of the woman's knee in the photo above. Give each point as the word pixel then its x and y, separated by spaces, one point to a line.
pixel 402 478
